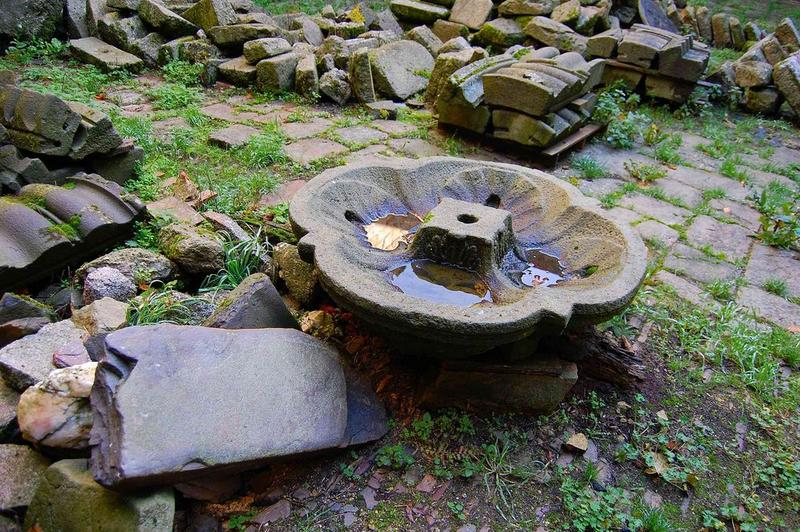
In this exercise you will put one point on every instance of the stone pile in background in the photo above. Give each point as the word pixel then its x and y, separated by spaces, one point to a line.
pixel 768 73
pixel 52 213
pixel 44 139
pixel 660 63
pixel 531 97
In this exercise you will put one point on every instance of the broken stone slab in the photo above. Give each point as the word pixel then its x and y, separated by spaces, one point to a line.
pixel 29 360
pixel 148 48
pixel 300 277
pixel 764 100
pixel 306 78
pixel 120 31
pixel 604 44
pixel 415 11
pixel 526 8
pixel 787 80
pixel 164 20
pixel 500 32
pixel 163 443
pixel 142 266
pixel 360 72
pixel 567 13
pixel 68 498
pixel 254 304
pixel 445 66
pixel 425 36
pixel 234 36
pixel 107 282
pixel 233 136
pixel 446 30
pixel 335 84
pixel 537 87
pixel 95 134
pixel 537 385
pixel 397 69
pixel 788 35
pixel 75 17
pixel 531 131
pixel 277 73
pixel 17 171
pixel 173 208
pixel 471 13
pixel 209 13
pixel 21 468
pixel 652 14
pixel 238 71
pixel 720 26
pixel 100 218
pixel 266 47
pixel 14 307
pixel 197 251
pixel 39 123
pixel 101 316
pixel 457 44
pixel 753 74
pixel 104 56
pixel 19 328
pixel 55 412
pixel 552 33
pixel 8 411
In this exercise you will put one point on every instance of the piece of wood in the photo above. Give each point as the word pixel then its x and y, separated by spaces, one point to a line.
pixel 602 356
pixel 578 138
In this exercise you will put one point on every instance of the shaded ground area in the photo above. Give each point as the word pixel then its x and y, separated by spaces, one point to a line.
pixel 709 440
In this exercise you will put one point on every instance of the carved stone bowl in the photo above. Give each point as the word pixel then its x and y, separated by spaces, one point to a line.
pixel 478 221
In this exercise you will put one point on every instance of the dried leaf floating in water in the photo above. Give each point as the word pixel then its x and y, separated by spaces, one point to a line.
pixel 388 232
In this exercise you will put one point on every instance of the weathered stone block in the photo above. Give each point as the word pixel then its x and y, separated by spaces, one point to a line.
pixel 104 56
pixel 277 73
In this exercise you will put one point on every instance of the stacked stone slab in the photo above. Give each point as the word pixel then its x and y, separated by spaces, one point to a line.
pixel 768 73
pixel 529 97
pixel 720 30
pixel 69 136
pixel 659 63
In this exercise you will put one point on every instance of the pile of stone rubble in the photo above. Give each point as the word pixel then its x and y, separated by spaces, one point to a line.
pixel 665 65
pixel 359 52
pixel 768 73
pixel 148 412
pixel 531 97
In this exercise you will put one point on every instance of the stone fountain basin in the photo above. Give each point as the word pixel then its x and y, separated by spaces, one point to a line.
pixel 328 215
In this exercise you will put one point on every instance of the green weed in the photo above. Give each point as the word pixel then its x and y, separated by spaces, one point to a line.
pixel 589 167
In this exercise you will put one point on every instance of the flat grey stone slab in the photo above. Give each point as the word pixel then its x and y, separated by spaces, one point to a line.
pixel 29 360
pixel 394 128
pixel 307 151
pixel 660 210
pixel 651 229
pixel 600 187
pixel 767 263
pixel 731 239
pixel 707 180
pixel 104 56
pixel 742 214
pixel 20 468
pixel 223 111
pixel 266 394
pixel 696 265
pixel 360 135
pixel 304 130
pixel 676 189
pixel 234 136
pixel 769 306
pixel 414 147
pixel 685 289
pixel 620 214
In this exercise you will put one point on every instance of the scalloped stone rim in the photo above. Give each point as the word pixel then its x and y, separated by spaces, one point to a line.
pixel 544 209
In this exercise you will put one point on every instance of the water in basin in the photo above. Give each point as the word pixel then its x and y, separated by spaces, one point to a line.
pixel 441 283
